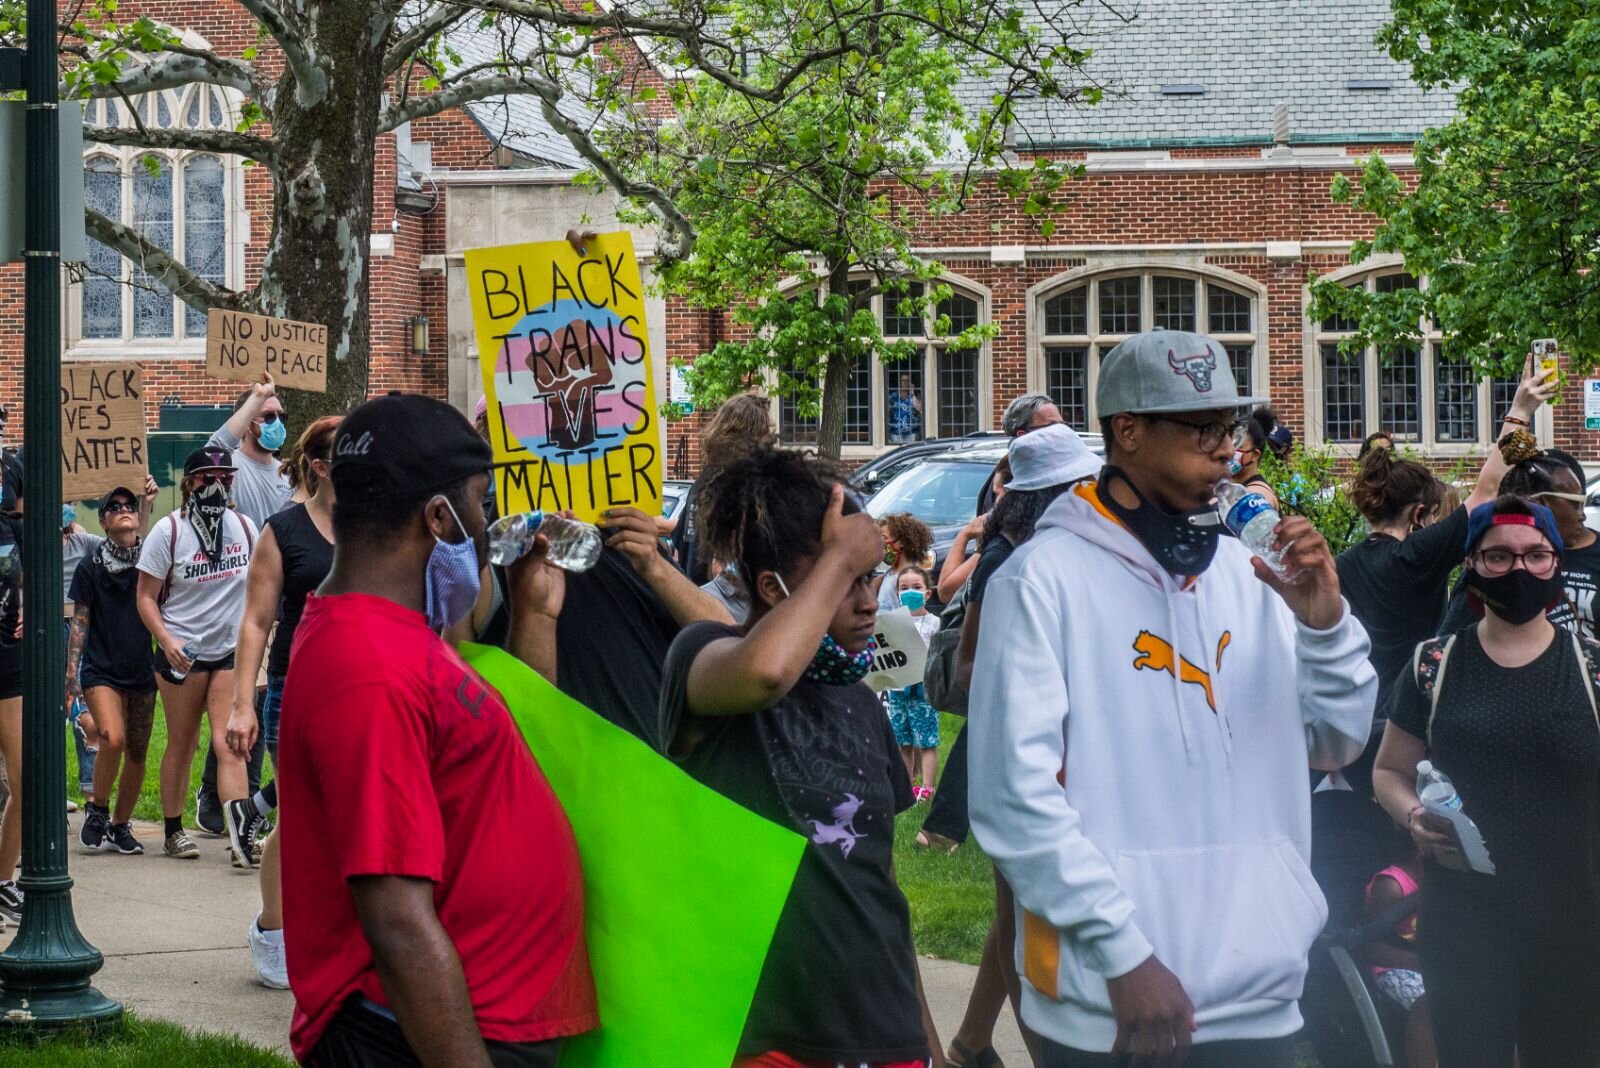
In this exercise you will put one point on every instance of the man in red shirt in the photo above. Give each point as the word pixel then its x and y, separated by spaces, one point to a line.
pixel 433 899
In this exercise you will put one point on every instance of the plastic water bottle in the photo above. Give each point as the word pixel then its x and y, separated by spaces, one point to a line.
pixel 1252 519
pixel 1435 787
pixel 188 653
pixel 574 546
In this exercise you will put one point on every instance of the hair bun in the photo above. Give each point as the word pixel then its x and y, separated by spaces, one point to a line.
pixel 1519 446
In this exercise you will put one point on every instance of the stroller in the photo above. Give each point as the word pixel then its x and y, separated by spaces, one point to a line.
pixel 1346 1022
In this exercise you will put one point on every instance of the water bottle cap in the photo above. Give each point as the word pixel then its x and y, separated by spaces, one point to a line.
pixel 1424 767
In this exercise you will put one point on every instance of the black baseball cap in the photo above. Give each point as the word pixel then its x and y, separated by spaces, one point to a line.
pixel 404 443
pixel 208 458
pixel 120 491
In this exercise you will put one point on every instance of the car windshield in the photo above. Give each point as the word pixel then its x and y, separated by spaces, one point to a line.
pixel 940 492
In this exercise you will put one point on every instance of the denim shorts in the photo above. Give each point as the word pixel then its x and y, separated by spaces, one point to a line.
pixel 269 709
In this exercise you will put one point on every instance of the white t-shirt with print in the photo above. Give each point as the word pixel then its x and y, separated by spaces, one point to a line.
pixel 207 599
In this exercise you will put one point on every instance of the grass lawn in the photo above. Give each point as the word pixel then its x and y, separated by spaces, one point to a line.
pixel 149 806
pixel 951 896
pixel 141 1044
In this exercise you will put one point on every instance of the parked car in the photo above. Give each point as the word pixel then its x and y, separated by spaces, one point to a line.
pixel 872 477
pixel 673 497
pixel 1591 509
pixel 943 489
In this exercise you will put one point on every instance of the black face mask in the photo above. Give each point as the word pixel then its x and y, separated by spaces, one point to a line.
pixel 1516 596
pixel 1184 543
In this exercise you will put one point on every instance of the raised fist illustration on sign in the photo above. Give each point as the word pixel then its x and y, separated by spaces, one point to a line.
pixel 568 367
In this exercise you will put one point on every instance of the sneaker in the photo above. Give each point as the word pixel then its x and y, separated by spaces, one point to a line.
pixel 244 831
pixel 72 806
pixel 266 952
pixel 208 814
pixel 120 837
pixel 95 827
pixel 10 901
pixel 180 846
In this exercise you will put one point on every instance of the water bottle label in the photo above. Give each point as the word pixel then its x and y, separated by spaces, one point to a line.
pixel 1245 509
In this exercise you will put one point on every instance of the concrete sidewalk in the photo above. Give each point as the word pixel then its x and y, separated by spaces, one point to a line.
pixel 174 937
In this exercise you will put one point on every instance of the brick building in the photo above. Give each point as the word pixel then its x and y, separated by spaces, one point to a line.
pixel 1204 206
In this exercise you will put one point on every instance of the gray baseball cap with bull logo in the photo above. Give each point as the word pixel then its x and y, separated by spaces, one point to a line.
pixel 1168 371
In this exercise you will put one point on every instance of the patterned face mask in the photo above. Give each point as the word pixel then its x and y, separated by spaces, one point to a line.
pixel 833 665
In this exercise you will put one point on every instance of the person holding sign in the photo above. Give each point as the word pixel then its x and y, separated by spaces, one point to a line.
pixel 774 716
pixel 108 663
pixel 1506 708
pixel 191 594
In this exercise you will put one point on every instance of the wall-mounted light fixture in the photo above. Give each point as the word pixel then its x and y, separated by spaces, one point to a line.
pixel 419 335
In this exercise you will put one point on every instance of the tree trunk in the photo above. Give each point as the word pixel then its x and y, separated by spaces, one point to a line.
pixel 317 266
pixel 835 375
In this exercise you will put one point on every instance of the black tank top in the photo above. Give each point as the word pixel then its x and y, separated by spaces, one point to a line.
pixel 307 558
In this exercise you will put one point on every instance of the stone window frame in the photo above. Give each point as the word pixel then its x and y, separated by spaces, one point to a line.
pixel 1096 342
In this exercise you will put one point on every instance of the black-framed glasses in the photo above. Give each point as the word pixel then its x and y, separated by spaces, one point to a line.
pixel 1207 435
pixel 113 507
pixel 1540 563
pixel 270 417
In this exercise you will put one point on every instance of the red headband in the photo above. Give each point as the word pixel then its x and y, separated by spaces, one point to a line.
pixel 1513 520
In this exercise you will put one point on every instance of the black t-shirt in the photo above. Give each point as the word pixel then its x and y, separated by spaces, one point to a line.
pixel 685 540
pixel 10 592
pixel 307 559
pixel 1523 749
pixel 839 983
pixel 10 481
pixel 996 551
pixel 1397 589
pixel 1580 575
pixel 116 650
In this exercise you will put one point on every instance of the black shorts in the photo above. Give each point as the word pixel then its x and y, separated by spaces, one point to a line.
pixel 362 1037
pixel 164 669
pixel 10 671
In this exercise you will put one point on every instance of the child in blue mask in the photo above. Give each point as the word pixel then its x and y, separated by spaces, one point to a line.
pixel 915 721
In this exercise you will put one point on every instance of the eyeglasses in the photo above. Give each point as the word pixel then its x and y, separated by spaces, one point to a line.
pixel 1540 563
pixel 269 417
pixel 113 507
pixel 212 478
pixel 1208 435
pixel 1576 498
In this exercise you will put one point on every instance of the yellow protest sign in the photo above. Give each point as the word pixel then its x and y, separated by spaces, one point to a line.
pixel 567 371
pixel 102 429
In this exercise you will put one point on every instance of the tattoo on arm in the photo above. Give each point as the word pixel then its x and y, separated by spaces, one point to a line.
pixel 78 631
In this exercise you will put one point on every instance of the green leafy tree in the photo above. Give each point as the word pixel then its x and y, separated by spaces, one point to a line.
pixel 806 176
pixel 1503 217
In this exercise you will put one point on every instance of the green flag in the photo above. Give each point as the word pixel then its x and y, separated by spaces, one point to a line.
pixel 682 886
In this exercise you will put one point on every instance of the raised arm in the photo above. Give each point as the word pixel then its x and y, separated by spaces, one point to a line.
pixel 147 503
pixel 958 562
pixel 633 533
pixel 734 676
pixel 1533 391
pixel 233 431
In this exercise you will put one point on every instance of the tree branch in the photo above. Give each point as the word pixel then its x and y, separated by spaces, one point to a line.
pixel 235 144
pixel 413 40
pixel 160 265
pixel 310 74
pixel 175 68
pixel 453 94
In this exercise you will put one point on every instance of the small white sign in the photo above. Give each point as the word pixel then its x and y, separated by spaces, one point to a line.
pixel 902 654
pixel 678 389
pixel 1591 403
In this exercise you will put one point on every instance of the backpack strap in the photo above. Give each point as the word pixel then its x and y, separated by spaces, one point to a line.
pixel 1427 669
pixel 172 560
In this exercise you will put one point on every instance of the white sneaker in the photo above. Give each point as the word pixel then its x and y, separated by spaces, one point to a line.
pixel 266 951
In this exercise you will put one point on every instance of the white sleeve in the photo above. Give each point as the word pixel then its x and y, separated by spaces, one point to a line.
pixel 155 555
pixel 1017 745
pixel 1337 688
pixel 224 438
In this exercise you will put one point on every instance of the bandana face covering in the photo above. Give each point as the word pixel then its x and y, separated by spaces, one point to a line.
pixel 117 558
pixel 207 506
pixel 833 665
pixel 1183 543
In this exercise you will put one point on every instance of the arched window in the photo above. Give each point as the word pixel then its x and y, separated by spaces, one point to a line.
pixel 183 202
pixel 1080 322
pixel 1424 393
pixel 939 392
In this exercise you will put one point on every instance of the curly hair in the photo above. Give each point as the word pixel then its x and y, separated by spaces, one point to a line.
pixel 1387 486
pixel 741 422
pixel 911 534
pixel 1018 513
pixel 761 509
pixel 1534 470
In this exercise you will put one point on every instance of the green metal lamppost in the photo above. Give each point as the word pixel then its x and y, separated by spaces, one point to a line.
pixel 44 973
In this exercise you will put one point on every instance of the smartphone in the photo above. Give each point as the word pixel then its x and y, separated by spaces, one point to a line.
pixel 1544 352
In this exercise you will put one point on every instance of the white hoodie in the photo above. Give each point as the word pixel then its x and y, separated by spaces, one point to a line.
pixel 1183 827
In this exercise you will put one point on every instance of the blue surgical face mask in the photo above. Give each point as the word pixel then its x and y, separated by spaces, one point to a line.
pixel 916 600
pixel 452 578
pixel 69 516
pixel 274 434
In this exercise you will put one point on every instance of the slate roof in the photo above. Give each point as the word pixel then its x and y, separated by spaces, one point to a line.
pixel 1249 56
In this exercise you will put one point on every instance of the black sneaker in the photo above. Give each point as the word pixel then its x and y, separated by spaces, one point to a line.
pixel 120 837
pixel 244 830
pixel 10 901
pixel 208 813
pixel 95 827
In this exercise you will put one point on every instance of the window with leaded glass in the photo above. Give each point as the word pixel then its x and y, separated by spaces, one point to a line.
pixel 1119 305
pixel 1400 393
pixel 858 403
pixel 900 317
pixel 792 426
pixel 1344 396
pixel 1172 303
pixel 102 279
pixel 1241 358
pixel 1066 382
pixel 1455 391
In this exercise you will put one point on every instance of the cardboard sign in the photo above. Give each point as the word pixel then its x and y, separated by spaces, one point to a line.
pixel 566 368
pixel 902 655
pixel 102 429
pixel 239 346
